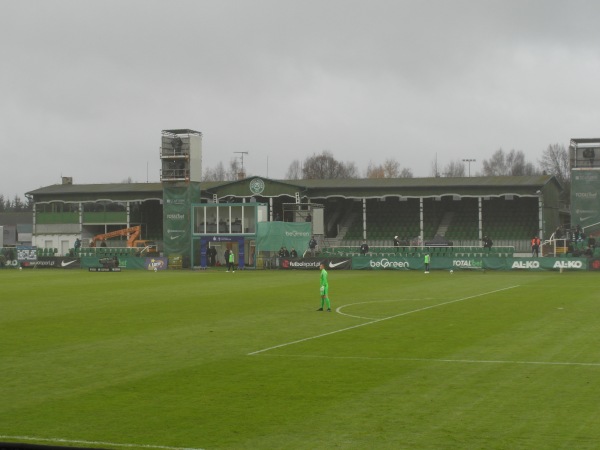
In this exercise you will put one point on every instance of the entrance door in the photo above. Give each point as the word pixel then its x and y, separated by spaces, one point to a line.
pixel 64 248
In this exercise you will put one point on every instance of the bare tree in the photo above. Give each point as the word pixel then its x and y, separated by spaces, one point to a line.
pixel 405 173
pixel 508 164
pixel 496 165
pixel 294 172
pixel 375 171
pixel 389 169
pixel 454 169
pixel 235 171
pixel 325 166
pixel 350 170
pixel 216 174
pixel 555 161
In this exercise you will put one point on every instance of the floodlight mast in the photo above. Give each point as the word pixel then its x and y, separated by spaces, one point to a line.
pixel 469 161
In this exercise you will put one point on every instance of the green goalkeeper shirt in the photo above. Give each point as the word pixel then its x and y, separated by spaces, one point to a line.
pixel 324 278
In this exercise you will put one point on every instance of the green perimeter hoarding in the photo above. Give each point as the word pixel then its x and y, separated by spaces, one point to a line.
pixel 127 262
pixel 445 263
pixel 177 201
pixel 271 236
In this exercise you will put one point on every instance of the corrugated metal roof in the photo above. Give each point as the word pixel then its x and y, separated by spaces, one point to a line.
pixel 63 189
pixel 350 187
pixel 534 180
pixel 123 188
pixel 16 218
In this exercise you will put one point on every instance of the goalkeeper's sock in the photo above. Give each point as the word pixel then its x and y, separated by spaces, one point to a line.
pixel 327 303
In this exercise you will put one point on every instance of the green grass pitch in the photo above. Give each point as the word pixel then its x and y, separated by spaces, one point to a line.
pixel 214 360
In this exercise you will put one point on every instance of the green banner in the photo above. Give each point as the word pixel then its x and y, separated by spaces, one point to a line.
pixel 489 263
pixel 585 201
pixel 125 262
pixel 271 236
pixel 177 201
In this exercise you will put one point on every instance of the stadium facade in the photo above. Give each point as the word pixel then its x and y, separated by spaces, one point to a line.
pixel 189 219
pixel 341 212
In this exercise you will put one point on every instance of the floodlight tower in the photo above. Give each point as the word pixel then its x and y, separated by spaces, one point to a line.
pixel 469 161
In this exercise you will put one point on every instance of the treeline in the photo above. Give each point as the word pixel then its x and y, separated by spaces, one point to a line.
pixel 554 160
pixel 14 205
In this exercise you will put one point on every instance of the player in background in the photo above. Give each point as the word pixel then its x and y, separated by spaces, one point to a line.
pixel 324 289
pixel 427 259
pixel 231 262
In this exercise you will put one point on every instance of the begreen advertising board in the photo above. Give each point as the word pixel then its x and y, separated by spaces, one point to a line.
pixel 271 236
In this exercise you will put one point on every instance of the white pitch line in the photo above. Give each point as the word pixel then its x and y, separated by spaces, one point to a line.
pixel 380 320
pixel 74 441
pixel 339 308
pixel 458 361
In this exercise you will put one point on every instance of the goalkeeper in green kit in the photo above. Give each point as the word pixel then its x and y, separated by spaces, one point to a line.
pixel 324 289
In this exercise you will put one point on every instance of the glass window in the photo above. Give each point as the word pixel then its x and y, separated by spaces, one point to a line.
pixel 211 220
pixel 250 219
pixel 199 222
pixel 224 220
pixel 236 219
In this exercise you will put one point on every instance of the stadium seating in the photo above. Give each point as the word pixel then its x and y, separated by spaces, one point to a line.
pixel 455 220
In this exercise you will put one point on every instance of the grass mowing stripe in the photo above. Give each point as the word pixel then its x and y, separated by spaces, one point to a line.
pixel 74 441
pixel 381 320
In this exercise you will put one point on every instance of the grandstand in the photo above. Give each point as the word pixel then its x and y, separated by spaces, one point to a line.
pixel 458 211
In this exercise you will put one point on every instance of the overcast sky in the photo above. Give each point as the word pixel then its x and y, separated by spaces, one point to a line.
pixel 87 86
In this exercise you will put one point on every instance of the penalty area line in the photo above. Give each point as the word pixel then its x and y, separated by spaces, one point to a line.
pixel 75 441
pixel 380 320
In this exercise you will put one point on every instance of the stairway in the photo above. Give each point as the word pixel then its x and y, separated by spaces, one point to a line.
pixel 343 226
pixel 445 223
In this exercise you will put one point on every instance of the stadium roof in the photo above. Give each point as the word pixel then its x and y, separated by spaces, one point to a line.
pixel 428 187
pixel 182 131
pixel 348 188
pixel 16 218
pixel 576 142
